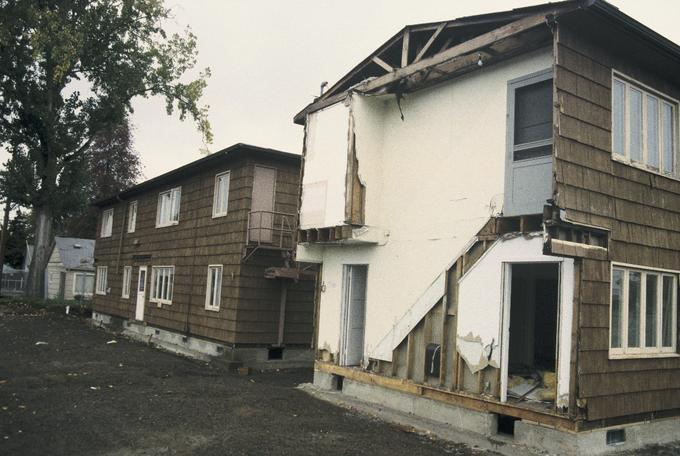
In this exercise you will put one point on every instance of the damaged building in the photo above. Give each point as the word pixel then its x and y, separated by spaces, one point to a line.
pixel 199 260
pixel 494 204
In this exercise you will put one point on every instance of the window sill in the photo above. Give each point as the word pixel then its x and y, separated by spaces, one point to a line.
pixel 101 293
pixel 219 215
pixel 617 356
pixel 212 309
pixel 160 302
pixel 167 225
pixel 643 167
pixel 105 236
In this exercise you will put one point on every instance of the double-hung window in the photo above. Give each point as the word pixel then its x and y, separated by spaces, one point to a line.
pixel 132 217
pixel 644 127
pixel 162 282
pixel 102 278
pixel 221 197
pixel 83 284
pixel 168 207
pixel 107 223
pixel 643 312
pixel 213 291
pixel 127 279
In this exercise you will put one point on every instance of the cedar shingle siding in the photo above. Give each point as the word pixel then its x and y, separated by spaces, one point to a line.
pixel 641 209
pixel 249 310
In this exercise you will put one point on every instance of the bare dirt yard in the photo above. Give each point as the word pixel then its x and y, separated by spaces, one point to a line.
pixel 65 391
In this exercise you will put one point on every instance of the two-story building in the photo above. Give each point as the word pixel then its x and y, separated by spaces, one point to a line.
pixel 494 203
pixel 199 260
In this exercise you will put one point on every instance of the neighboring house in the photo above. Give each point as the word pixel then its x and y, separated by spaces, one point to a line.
pixel 495 205
pixel 70 269
pixel 199 259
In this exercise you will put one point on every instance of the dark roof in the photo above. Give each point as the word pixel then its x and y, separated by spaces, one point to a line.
pixel 230 153
pixel 75 253
pixel 463 29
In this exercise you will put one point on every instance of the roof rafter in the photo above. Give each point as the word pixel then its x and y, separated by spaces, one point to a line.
pixel 429 42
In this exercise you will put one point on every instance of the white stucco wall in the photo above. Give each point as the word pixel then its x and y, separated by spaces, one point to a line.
pixel 432 181
pixel 323 183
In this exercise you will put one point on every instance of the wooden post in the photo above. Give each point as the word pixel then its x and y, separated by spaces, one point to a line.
pixel 282 312
pixel 3 238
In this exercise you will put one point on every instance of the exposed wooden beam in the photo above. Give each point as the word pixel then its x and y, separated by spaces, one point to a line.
pixel 511 29
pixel 429 42
pixel 404 48
pixel 386 66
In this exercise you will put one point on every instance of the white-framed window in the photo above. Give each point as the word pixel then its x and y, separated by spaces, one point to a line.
pixel 643 312
pixel 107 223
pixel 531 116
pixel 221 194
pixel 168 207
pixel 162 282
pixel 644 126
pixel 127 279
pixel 132 217
pixel 213 289
pixel 83 284
pixel 102 278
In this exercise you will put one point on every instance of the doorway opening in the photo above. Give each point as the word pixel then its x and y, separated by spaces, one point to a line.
pixel 532 351
pixel 353 314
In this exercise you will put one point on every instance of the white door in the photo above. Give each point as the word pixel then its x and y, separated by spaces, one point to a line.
pixel 262 206
pixel 141 292
pixel 353 315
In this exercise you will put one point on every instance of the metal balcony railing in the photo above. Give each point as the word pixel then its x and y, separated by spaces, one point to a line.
pixel 270 230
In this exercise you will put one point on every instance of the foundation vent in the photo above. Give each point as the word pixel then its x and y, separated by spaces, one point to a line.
pixel 616 437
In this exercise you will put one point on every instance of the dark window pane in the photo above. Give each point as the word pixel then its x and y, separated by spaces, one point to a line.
pixel 633 309
pixel 651 293
pixel 668 304
pixel 617 308
pixel 534 152
pixel 533 112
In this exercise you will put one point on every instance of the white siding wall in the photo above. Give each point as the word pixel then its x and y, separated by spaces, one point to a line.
pixel 431 180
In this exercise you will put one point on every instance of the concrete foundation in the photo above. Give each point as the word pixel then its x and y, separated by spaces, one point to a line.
pixel 480 428
pixel 206 350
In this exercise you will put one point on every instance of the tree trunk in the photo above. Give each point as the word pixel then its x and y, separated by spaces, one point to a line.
pixel 3 239
pixel 42 241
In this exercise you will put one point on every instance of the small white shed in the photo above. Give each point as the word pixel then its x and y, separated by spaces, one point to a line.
pixel 70 269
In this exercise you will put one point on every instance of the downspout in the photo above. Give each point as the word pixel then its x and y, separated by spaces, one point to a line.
pixel 187 327
pixel 122 233
pixel 282 312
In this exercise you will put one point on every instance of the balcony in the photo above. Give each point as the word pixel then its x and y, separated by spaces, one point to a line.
pixel 269 230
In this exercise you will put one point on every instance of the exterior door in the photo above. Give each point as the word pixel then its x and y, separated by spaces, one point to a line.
pixel 262 207
pixel 62 285
pixel 141 293
pixel 353 314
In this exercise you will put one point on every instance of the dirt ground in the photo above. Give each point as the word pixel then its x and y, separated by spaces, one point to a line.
pixel 65 391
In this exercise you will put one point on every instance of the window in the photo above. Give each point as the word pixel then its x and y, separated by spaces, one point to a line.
pixel 221 198
pixel 643 311
pixel 168 207
pixel 132 217
pixel 83 284
pixel 162 280
pixel 127 278
pixel 532 122
pixel 213 290
pixel 102 273
pixel 644 127
pixel 107 223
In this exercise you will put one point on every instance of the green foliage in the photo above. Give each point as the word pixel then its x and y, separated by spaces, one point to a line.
pixel 69 70
pixel 18 233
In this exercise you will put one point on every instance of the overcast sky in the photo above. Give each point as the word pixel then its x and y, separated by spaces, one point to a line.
pixel 269 57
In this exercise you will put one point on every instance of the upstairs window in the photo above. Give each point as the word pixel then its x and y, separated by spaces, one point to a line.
pixel 107 223
pixel 168 207
pixel 643 312
pixel 532 122
pixel 132 217
pixel 644 127
pixel 221 197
